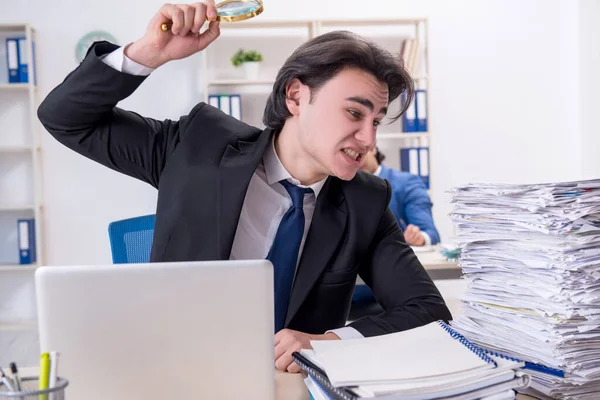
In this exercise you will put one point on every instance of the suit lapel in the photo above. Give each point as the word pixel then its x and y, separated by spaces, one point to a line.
pixel 326 230
pixel 237 165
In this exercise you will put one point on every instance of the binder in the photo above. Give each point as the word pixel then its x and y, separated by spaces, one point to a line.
pixel 213 100
pixel 421 105
pixel 409 160
pixel 27 248
pixel 409 119
pixel 225 104
pixel 490 379
pixel 12 60
pixel 415 160
pixel 24 63
pixel 529 365
pixel 230 104
pixel 424 165
pixel 236 106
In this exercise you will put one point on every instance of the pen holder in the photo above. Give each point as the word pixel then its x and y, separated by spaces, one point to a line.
pixel 30 391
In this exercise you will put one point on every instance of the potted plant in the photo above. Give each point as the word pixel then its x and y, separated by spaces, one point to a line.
pixel 250 60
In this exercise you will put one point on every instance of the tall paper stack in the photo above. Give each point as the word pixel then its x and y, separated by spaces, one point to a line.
pixel 531 254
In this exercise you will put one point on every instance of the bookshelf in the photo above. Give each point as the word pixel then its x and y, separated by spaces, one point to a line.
pixel 20 152
pixel 276 40
pixel 21 196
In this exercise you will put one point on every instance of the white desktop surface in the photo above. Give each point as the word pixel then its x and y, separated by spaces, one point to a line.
pixel 287 386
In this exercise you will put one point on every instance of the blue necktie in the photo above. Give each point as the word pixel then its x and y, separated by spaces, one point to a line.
pixel 284 251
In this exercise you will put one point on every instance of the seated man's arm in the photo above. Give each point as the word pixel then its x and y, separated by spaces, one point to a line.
pixel 399 283
pixel 417 208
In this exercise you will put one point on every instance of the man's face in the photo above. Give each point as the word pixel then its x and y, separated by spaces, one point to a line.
pixel 338 127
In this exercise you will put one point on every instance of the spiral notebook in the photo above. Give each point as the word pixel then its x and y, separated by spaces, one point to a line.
pixel 428 359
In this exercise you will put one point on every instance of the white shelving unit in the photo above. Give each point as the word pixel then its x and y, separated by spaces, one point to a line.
pixel 276 40
pixel 21 188
pixel 21 196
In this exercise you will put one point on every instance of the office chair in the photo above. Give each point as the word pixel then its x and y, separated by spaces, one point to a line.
pixel 131 239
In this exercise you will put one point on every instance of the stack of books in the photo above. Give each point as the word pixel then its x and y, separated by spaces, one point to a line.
pixel 429 362
pixel 531 254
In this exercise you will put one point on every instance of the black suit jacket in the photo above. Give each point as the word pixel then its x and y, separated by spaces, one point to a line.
pixel 201 165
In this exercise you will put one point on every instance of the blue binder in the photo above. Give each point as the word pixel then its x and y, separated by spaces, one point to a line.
pixel 416 161
pixel 424 165
pixel 230 104
pixel 213 100
pixel 24 63
pixel 421 104
pixel 409 119
pixel 12 60
pixel 27 248
pixel 530 365
pixel 409 160
pixel 235 102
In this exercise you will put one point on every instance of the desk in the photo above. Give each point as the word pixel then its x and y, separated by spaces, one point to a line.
pixel 435 264
pixel 434 260
pixel 287 386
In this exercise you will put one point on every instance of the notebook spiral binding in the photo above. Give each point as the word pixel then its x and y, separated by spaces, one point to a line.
pixel 321 379
pixel 323 390
pixel 477 350
pixel 528 365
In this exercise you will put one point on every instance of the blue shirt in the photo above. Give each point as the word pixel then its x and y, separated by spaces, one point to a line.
pixel 410 202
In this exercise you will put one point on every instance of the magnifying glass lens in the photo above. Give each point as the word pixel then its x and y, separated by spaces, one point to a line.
pixel 232 11
pixel 237 8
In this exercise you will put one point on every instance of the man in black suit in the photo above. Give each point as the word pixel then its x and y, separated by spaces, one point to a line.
pixel 291 193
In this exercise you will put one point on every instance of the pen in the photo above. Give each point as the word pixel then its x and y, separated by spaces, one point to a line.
pixel 53 372
pixel 15 372
pixel 7 382
pixel 44 374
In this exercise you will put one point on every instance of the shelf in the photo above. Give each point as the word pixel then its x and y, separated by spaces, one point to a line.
pixel 16 149
pixel 367 22
pixel 18 268
pixel 402 136
pixel 241 82
pixel 16 207
pixel 16 86
pixel 14 27
pixel 266 24
pixel 23 325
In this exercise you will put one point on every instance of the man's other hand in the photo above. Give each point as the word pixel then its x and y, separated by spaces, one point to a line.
pixel 413 236
pixel 288 341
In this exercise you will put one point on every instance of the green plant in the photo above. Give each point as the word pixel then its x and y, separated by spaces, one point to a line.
pixel 243 56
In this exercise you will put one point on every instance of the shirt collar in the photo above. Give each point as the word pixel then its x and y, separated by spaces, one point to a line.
pixel 275 171
pixel 377 171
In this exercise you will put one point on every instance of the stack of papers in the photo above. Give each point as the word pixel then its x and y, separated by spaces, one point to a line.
pixel 428 362
pixel 531 254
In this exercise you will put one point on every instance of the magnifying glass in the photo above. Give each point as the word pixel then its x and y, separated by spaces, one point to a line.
pixel 233 11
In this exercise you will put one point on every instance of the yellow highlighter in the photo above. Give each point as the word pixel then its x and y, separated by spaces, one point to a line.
pixel 44 379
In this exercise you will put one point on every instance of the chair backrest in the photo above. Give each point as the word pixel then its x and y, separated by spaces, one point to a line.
pixel 131 239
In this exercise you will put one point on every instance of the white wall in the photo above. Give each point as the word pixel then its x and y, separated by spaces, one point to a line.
pixel 589 84
pixel 503 84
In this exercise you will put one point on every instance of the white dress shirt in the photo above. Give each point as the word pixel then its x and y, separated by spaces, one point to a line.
pixel 425 234
pixel 266 199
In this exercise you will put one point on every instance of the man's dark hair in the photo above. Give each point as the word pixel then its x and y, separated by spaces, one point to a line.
pixel 379 156
pixel 320 59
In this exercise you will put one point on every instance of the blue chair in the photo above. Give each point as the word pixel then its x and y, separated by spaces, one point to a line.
pixel 131 239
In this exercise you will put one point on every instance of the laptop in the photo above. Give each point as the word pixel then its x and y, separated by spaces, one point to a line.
pixel 156 331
